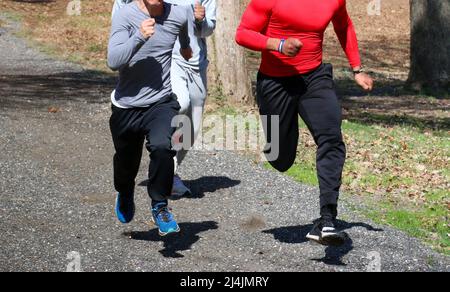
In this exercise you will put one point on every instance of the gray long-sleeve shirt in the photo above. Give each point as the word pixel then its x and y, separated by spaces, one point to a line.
pixel 144 65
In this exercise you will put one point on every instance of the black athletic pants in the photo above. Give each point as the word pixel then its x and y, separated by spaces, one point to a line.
pixel 313 97
pixel 129 129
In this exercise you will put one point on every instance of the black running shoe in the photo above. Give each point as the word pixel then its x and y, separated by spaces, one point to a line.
pixel 316 232
pixel 325 233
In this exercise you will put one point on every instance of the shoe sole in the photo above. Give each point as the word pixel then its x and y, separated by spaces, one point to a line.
pixel 328 239
pixel 164 234
pixel 333 239
pixel 316 239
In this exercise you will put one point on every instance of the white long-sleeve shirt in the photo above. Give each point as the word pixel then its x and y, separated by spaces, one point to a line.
pixel 198 33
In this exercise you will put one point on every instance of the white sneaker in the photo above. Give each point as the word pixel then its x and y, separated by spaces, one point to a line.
pixel 179 189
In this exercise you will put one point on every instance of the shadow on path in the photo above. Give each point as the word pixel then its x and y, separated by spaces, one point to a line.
pixel 206 184
pixel 174 244
pixel 390 104
pixel 333 255
pixel 36 90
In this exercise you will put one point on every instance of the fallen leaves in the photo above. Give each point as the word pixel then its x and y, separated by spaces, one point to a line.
pixel 391 162
pixel 54 110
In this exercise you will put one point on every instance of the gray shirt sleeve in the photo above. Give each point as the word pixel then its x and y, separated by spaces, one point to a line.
pixel 119 4
pixel 206 28
pixel 122 46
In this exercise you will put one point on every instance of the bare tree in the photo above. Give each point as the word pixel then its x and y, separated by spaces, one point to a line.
pixel 228 62
pixel 430 45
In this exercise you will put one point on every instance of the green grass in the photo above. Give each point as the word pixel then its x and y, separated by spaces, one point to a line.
pixel 426 223
pixel 305 174
pixel 404 220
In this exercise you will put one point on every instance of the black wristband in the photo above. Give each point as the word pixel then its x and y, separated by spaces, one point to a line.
pixel 356 72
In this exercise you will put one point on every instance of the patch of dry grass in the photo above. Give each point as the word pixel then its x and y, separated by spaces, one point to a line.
pixel 78 38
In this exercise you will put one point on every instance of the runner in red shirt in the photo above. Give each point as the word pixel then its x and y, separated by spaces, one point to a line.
pixel 293 81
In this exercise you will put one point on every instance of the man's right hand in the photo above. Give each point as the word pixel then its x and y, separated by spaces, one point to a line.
pixel 148 28
pixel 199 11
pixel 292 47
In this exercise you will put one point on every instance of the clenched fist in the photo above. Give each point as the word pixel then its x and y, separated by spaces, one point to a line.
pixel 148 28
pixel 199 12
pixel 365 81
pixel 292 47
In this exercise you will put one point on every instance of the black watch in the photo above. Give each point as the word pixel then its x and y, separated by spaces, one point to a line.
pixel 361 70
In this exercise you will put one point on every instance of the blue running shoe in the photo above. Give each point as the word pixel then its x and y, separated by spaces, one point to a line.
pixel 125 208
pixel 164 220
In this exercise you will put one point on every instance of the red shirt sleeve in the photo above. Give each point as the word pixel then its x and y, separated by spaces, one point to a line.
pixel 254 21
pixel 346 33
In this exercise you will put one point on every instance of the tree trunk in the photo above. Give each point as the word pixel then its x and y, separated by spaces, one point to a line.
pixel 228 63
pixel 430 45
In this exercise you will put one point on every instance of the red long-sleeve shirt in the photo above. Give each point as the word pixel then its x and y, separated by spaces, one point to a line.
pixel 306 20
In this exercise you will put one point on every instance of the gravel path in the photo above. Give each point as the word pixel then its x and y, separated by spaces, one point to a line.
pixel 56 194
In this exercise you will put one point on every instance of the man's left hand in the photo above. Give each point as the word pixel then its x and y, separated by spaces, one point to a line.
pixel 365 81
pixel 186 53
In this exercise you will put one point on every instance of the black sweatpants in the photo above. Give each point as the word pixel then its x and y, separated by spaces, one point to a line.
pixel 313 97
pixel 129 129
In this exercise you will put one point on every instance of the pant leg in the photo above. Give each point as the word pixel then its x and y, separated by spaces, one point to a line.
pixel 197 84
pixel 179 80
pixel 180 88
pixel 157 128
pixel 128 143
pixel 321 110
pixel 279 97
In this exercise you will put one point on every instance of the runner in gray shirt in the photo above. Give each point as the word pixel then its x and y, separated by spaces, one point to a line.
pixel 189 78
pixel 143 36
